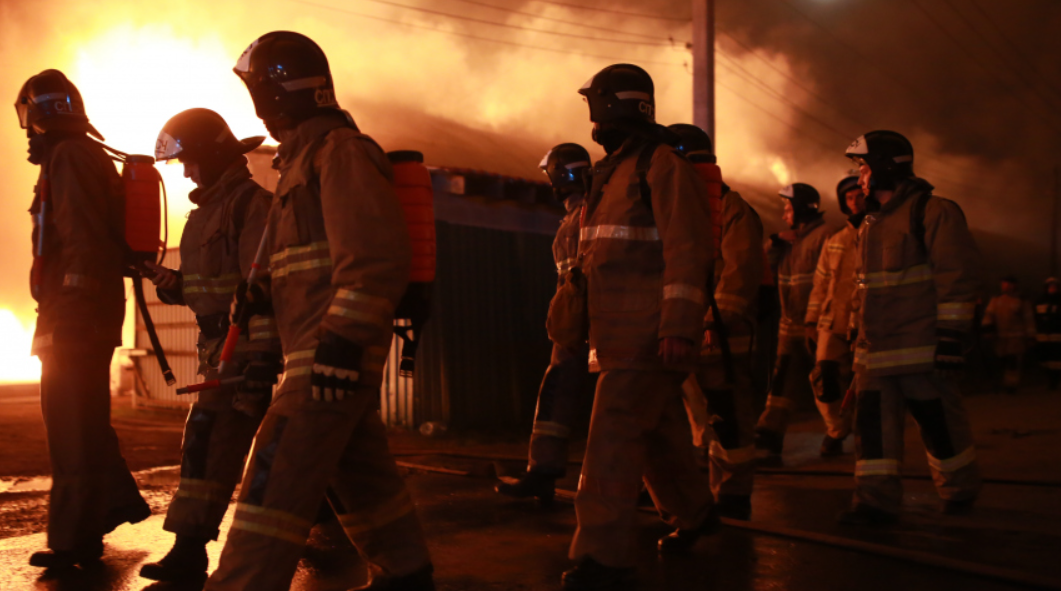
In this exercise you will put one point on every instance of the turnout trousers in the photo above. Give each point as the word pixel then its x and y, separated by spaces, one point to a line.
pixel 830 379
pixel 790 384
pixel 303 448
pixel 723 420
pixel 90 480
pixel 558 402
pixel 216 440
pixel 936 406
pixel 639 430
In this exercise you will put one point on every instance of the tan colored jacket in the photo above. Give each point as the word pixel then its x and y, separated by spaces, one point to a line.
pixel 565 245
pixel 82 295
pixel 339 248
pixel 646 267
pixel 1013 321
pixel 908 292
pixel 829 307
pixel 218 246
pixel 740 272
pixel 795 275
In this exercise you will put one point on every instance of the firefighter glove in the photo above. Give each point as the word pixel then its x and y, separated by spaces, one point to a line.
pixel 251 300
pixel 260 375
pixel 950 355
pixel 336 368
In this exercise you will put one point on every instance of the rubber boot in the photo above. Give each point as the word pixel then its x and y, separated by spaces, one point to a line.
pixel 773 443
pixel 85 555
pixel 420 580
pixel 186 561
pixel 682 540
pixel 531 484
pixel 831 447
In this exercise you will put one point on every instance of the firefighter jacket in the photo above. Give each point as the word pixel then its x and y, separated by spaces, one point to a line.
pixel 646 250
pixel 795 274
pixel 739 273
pixel 918 278
pixel 339 252
pixel 218 247
pixel 81 291
pixel 829 307
pixel 1048 318
pixel 565 245
pixel 1010 318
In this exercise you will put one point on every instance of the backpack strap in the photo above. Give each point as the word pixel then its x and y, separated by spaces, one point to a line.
pixel 917 220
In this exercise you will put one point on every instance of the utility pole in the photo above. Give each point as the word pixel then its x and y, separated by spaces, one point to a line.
pixel 704 67
pixel 1053 221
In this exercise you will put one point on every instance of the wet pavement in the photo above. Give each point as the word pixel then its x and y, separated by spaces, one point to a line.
pixel 480 541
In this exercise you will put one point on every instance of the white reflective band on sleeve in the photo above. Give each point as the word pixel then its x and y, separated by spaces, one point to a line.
pixel 641 233
pixel 681 291
pixel 551 429
pixel 304 83
pixel 877 468
pixel 565 265
pixel 592 356
pixel 51 96
pixel 633 94
pixel 952 464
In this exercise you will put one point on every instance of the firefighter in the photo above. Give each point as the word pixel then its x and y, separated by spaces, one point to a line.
pixel 644 254
pixel 796 253
pixel 719 399
pixel 1048 330
pixel 1009 322
pixel 829 313
pixel 77 282
pixel 918 286
pixel 218 247
pixel 566 377
pixel 339 259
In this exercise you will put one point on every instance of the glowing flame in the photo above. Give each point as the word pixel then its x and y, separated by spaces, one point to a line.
pixel 15 363
pixel 781 172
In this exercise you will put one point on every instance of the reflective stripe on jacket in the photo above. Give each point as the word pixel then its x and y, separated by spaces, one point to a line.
pixel 909 290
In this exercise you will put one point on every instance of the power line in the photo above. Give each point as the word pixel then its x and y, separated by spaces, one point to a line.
pixel 516 27
pixel 970 55
pixel 1032 65
pixel 619 12
pixel 562 21
pixel 476 37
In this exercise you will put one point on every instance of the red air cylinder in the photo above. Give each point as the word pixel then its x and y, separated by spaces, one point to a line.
pixel 143 212
pixel 412 183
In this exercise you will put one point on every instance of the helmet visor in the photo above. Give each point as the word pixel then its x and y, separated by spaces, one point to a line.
pixel 167 147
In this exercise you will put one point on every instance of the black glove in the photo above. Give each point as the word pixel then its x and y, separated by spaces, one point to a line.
pixel 336 368
pixel 260 375
pixel 950 354
pixel 251 300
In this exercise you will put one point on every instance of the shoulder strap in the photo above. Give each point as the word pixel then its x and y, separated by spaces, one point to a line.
pixel 917 220
pixel 644 163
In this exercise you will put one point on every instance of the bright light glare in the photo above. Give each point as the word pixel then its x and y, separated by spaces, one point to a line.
pixel 781 172
pixel 16 365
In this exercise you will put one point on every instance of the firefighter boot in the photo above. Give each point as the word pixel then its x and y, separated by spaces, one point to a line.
pixel 773 443
pixel 682 540
pixel 531 484
pixel 186 561
pixel 420 580
pixel 831 447
pixel 85 555
pixel 590 575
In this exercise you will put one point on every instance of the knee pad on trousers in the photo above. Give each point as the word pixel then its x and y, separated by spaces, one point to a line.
pixel 829 381
pixel 262 462
pixel 869 425
pixel 932 419
pixel 197 442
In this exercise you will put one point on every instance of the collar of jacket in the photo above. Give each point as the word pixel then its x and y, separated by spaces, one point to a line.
pixel 856 220
pixel 304 134
pixel 808 227
pixel 906 189
pixel 233 176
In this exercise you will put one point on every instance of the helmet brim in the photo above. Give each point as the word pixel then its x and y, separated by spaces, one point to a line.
pixel 250 143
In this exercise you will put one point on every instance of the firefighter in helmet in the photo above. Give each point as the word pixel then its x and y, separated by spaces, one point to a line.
pixel 644 255
pixel 217 250
pixel 77 282
pixel 919 281
pixel 566 377
pixel 829 313
pixel 719 399
pixel 795 254
pixel 339 259
pixel 1009 324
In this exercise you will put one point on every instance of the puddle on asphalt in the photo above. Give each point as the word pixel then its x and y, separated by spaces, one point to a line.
pixel 160 476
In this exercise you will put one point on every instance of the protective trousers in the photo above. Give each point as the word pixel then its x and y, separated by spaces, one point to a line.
pixel 639 430
pixel 91 484
pixel 723 421
pixel 558 403
pixel 935 404
pixel 304 447
pixel 790 384
pixel 830 380
pixel 216 440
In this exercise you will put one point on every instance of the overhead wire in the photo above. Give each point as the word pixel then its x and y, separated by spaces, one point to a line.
pixel 476 37
pixel 516 27
pixel 562 21
pixel 1032 64
pixel 617 12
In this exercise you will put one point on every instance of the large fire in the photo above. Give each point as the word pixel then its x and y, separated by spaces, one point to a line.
pixel 15 363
